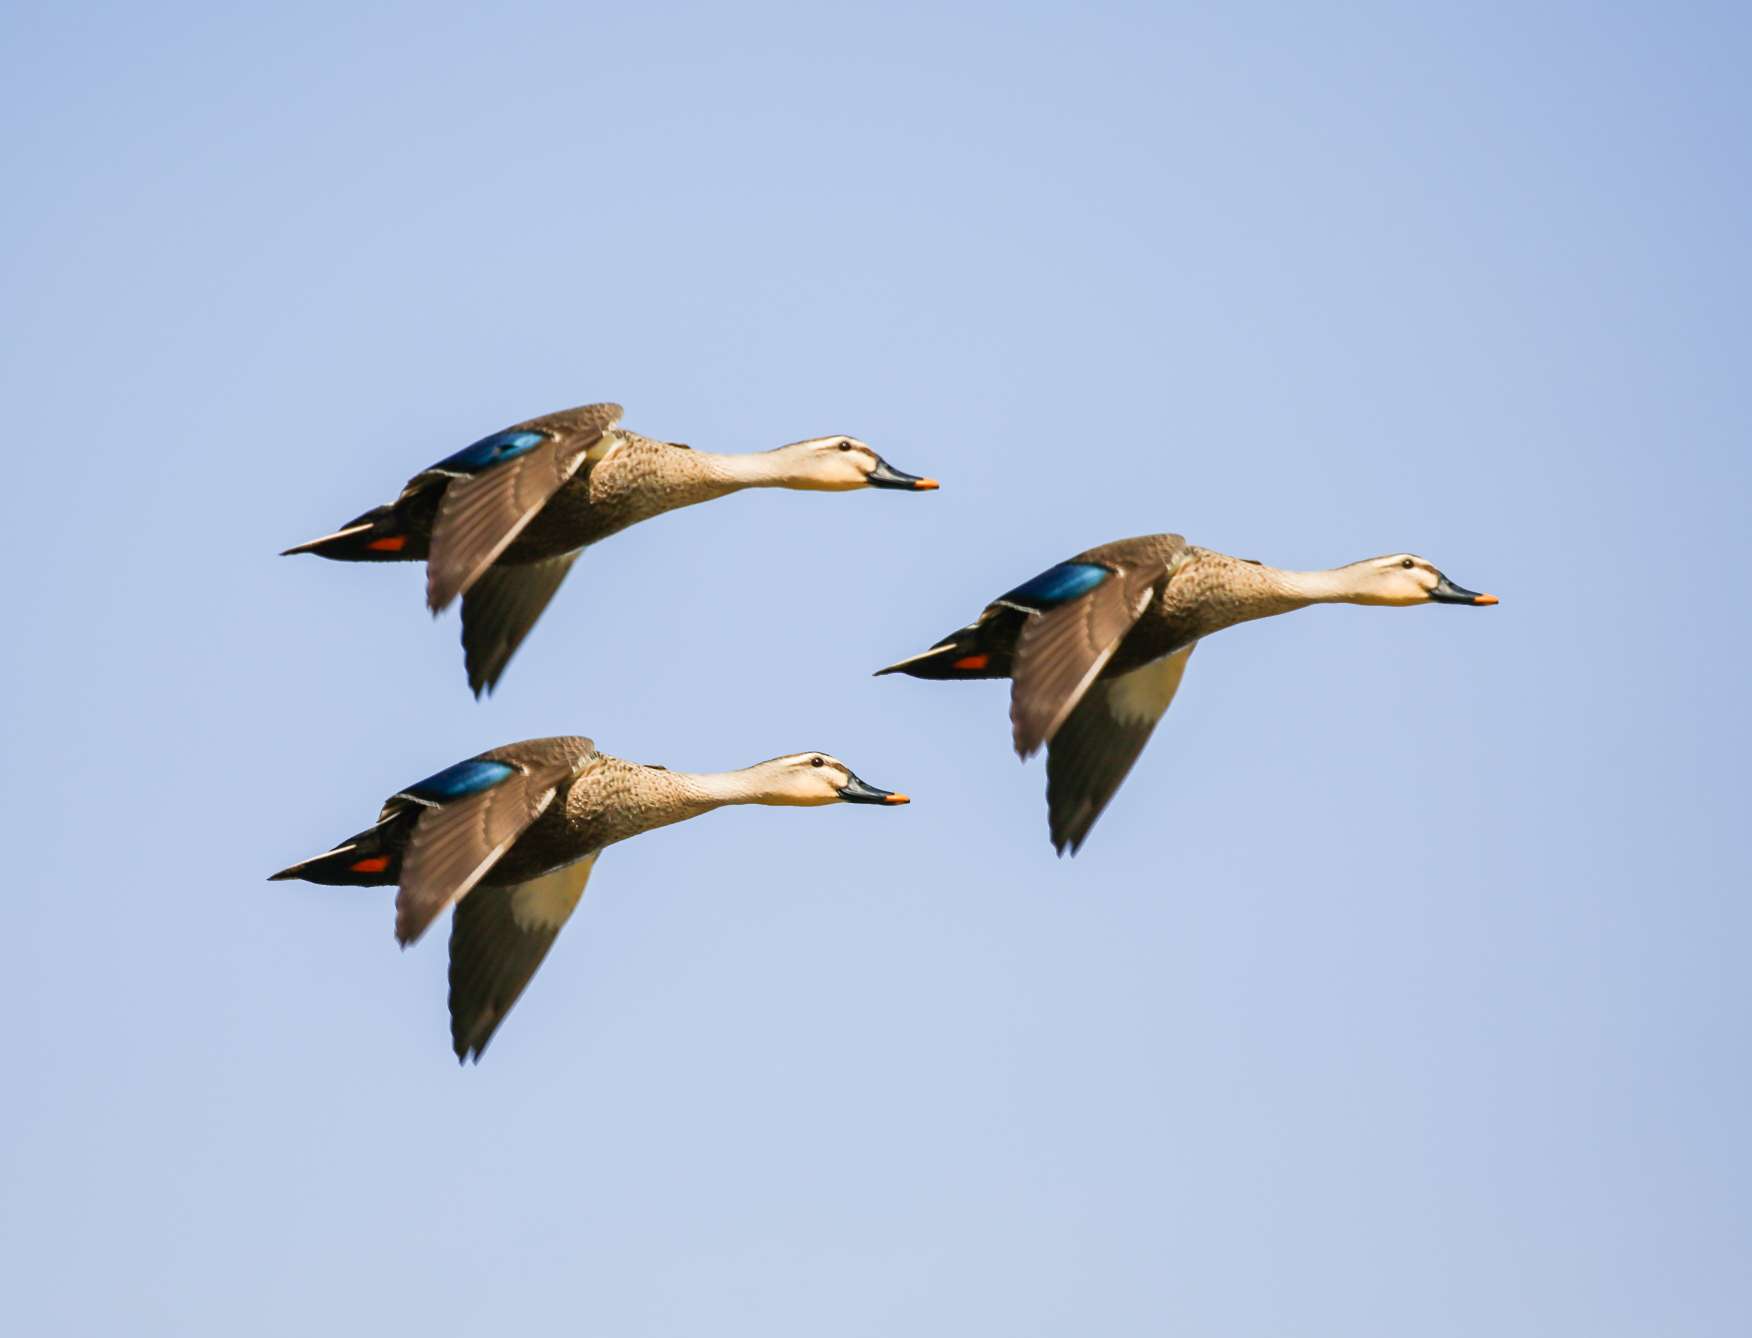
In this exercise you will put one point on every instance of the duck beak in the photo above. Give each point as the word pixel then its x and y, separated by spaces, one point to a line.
pixel 886 475
pixel 1446 592
pixel 856 791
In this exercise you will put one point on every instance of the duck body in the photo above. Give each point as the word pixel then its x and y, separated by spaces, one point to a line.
pixel 501 521
pixel 1095 648
pixel 510 837
pixel 597 800
pixel 634 478
pixel 1166 624
pixel 1188 593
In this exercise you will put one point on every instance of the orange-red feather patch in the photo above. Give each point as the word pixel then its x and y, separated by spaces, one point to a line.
pixel 373 864
pixel 972 662
pixel 393 543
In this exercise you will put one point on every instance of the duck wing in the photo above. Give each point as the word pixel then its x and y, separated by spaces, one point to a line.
pixel 499 936
pixel 499 609
pixel 497 486
pixel 1094 749
pixel 474 813
pixel 1064 647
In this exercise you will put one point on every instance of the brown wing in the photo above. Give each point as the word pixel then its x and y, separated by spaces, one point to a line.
pixel 1094 749
pixel 499 609
pixel 454 845
pixel 480 514
pixel 1059 654
pixel 499 936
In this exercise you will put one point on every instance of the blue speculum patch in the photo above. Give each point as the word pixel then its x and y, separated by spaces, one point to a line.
pixel 489 451
pixel 460 781
pixel 1056 585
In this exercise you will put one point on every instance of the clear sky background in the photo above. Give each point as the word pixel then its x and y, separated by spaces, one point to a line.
pixel 1401 991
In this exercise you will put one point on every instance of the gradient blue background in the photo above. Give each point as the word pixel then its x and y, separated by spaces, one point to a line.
pixel 1401 991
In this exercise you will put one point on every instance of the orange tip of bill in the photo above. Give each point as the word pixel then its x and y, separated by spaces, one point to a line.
pixel 1484 599
pixel 926 485
pixel 897 799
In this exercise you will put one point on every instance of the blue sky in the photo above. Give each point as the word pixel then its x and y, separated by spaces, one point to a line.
pixel 1402 988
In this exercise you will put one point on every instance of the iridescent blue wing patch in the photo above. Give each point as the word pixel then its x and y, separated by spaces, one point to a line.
pixel 1057 585
pixel 460 781
pixel 490 451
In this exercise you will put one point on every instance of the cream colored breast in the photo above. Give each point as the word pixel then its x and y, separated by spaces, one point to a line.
pixel 1140 697
pixel 548 902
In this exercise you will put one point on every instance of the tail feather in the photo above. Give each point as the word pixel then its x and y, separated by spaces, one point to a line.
pixel 377 536
pixel 370 859
pixel 980 650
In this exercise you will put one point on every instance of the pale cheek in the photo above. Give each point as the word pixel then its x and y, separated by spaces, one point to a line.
pixel 837 474
pixel 812 791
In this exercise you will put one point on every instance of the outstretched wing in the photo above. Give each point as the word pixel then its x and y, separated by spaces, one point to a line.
pixel 1062 650
pixel 497 487
pixel 475 811
pixel 499 609
pixel 498 938
pixel 1094 749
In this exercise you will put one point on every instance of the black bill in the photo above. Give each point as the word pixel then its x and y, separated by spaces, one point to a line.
pixel 856 791
pixel 886 475
pixel 1446 592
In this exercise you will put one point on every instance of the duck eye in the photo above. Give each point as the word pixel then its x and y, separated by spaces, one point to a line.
pixel 1407 564
pixel 845 445
pixel 815 761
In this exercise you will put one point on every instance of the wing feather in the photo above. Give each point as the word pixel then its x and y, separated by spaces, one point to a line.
pixel 499 937
pixel 1060 653
pixel 454 844
pixel 478 517
pixel 481 513
pixel 1099 742
pixel 499 609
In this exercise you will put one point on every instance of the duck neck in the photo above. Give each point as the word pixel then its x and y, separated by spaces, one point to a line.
pixel 703 791
pixel 757 469
pixel 1302 588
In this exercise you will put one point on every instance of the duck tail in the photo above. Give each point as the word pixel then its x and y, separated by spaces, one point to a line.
pixel 370 859
pixel 975 651
pixel 377 536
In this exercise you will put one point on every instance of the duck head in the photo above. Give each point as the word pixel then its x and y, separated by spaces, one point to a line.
pixel 806 780
pixel 1404 579
pixel 840 464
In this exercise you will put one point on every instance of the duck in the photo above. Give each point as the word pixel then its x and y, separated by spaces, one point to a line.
pixel 1095 648
pixel 510 837
pixel 500 522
